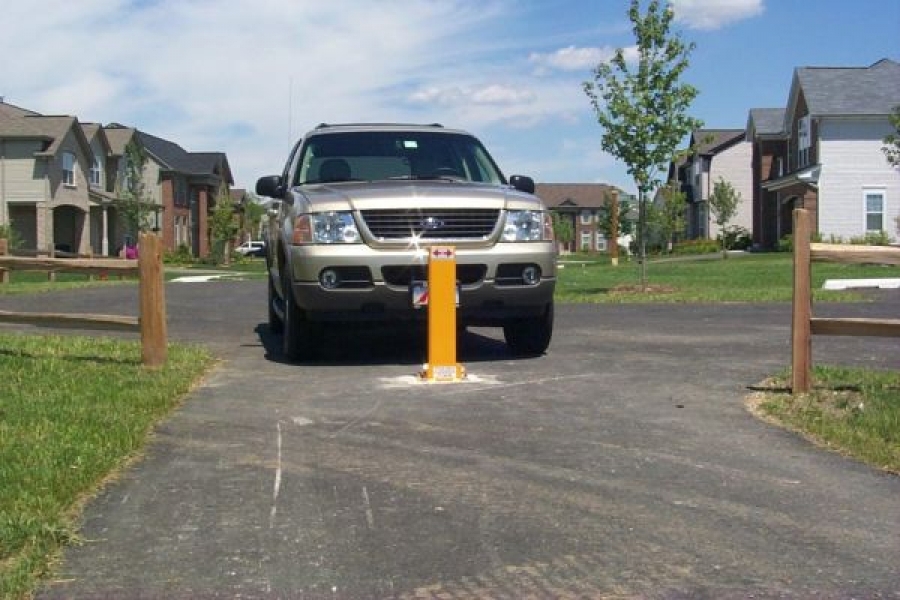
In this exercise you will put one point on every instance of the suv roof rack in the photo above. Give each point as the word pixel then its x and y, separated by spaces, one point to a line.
pixel 327 125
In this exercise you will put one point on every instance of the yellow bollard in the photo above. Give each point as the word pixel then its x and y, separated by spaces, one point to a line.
pixel 442 365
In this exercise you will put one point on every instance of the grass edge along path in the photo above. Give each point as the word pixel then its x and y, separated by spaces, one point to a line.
pixel 852 411
pixel 73 411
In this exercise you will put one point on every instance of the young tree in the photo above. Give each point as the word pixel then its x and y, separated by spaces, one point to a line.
pixel 891 147
pixel 643 108
pixel 671 212
pixel 253 215
pixel 222 226
pixel 135 206
pixel 604 217
pixel 562 229
pixel 723 205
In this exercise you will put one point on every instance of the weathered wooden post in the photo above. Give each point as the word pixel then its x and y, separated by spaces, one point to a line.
pixel 152 301
pixel 801 335
pixel 51 252
pixel 4 250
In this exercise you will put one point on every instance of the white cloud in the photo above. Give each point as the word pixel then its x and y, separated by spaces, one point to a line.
pixel 492 94
pixel 715 14
pixel 572 58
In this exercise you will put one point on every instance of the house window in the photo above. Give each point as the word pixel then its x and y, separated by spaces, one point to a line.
pixel 874 210
pixel 96 171
pixel 586 240
pixel 804 141
pixel 601 242
pixel 585 217
pixel 68 168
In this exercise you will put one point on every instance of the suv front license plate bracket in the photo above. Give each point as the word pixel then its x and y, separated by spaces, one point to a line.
pixel 418 293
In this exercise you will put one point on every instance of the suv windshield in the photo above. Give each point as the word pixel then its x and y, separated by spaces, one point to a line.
pixel 381 155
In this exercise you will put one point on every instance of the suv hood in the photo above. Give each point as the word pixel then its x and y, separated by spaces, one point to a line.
pixel 414 194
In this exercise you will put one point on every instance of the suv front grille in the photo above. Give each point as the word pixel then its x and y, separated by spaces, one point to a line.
pixel 432 224
pixel 403 275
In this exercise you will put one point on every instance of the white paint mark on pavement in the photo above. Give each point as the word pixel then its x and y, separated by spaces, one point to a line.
pixel 277 485
pixel 370 516
pixel 846 284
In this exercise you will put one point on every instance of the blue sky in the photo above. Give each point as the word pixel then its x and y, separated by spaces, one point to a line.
pixel 248 78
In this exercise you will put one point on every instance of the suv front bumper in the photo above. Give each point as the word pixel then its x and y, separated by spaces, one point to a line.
pixel 373 285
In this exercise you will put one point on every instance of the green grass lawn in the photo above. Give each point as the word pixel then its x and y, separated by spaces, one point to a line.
pixel 742 278
pixel 853 411
pixel 72 411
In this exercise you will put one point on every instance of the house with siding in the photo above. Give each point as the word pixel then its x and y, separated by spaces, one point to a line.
pixel 61 184
pixel 823 152
pixel 581 205
pixel 715 155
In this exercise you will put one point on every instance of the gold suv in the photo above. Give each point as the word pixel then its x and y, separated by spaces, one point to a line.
pixel 360 204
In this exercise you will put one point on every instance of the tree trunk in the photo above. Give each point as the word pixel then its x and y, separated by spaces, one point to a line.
pixel 642 237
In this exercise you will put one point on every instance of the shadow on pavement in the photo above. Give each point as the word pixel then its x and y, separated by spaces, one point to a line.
pixel 381 345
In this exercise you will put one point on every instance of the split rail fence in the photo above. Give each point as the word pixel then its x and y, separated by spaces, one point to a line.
pixel 152 304
pixel 804 325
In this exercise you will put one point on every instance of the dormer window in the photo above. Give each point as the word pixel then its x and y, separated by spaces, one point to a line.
pixel 68 169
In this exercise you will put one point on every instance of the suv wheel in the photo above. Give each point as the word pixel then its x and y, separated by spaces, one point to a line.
pixel 531 336
pixel 276 325
pixel 300 336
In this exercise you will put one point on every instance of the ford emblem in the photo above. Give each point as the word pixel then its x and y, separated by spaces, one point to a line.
pixel 432 224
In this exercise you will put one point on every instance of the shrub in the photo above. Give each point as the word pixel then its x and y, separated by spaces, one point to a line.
pixel 786 244
pixel 736 238
pixel 696 247
pixel 11 236
pixel 872 238
pixel 181 256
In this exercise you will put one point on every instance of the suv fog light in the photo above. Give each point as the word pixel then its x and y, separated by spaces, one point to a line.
pixel 329 279
pixel 531 275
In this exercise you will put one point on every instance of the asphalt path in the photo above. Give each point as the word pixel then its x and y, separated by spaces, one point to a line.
pixel 622 464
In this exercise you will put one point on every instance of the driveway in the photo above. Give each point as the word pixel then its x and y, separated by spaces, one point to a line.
pixel 622 464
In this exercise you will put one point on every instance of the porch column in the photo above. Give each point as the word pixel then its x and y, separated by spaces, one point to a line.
pixel 104 238
pixel 202 215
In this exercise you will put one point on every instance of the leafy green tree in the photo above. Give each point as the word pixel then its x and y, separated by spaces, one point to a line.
pixel 562 228
pixel 222 225
pixel 604 217
pixel 643 108
pixel 891 147
pixel 723 205
pixel 670 213
pixel 134 205
pixel 253 215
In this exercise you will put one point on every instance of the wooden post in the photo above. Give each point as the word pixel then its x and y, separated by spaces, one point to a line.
pixel 4 250
pixel 801 337
pixel 152 301
pixel 614 228
pixel 51 252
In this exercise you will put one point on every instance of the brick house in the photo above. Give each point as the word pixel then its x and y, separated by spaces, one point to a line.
pixel 580 204
pixel 823 152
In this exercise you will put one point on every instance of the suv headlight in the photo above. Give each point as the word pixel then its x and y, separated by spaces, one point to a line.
pixel 527 226
pixel 336 227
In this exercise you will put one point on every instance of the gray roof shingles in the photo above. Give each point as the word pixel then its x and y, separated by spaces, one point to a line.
pixel 767 121
pixel 873 90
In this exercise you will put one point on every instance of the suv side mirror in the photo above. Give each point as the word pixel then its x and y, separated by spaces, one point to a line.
pixel 269 186
pixel 522 183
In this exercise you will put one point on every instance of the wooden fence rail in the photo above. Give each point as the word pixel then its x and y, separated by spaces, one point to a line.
pixel 152 305
pixel 804 325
